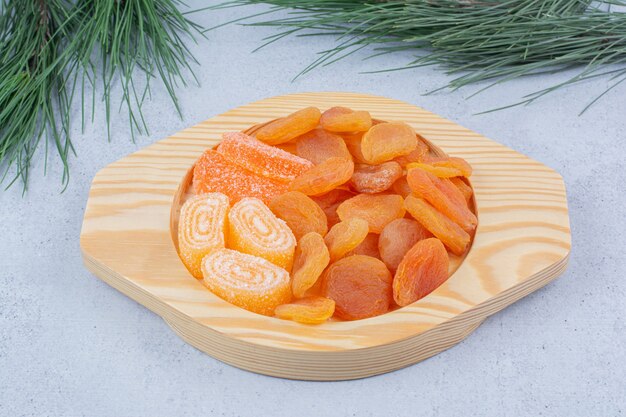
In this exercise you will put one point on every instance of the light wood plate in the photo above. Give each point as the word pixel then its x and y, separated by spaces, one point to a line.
pixel 522 243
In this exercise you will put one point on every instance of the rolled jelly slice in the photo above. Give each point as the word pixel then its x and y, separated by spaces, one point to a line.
pixel 246 281
pixel 214 173
pixel 260 158
pixel 255 230
pixel 201 229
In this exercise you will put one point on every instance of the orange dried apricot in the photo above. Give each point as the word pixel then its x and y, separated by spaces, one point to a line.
pixel 450 233
pixel 330 201
pixel 451 191
pixel 343 119
pixel 377 209
pixel 401 187
pixel 345 236
pixel 301 214
pixel 353 143
pixel 360 285
pixel 214 173
pixel 308 263
pixel 368 247
pixel 255 230
pixel 438 171
pixel 375 178
pixel 386 141
pixel 289 127
pixel 319 145
pixel 422 270
pixel 310 310
pixel 397 238
pixel 454 162
pixel 416 155
pixel 424 185
pixel 463 187
pixel 262 159
pixel 324 177
pixel 246 281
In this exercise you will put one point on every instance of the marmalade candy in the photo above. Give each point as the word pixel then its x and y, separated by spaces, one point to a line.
pixel 201 229
pixel 386 141
pixel 397 238
pixel 301 214
pixel 246 281
pixel 319 145
pixel 360 285
pixel 265 160
pixel 290 127
pixel 373 179
pixel 255 230
pixel 309 262
pixel 377 209
pixel 343 119
pixel 324 177
pixel 422 270
pixel 450 233
pixel 309 310
pixel 345 236
pixel 214 173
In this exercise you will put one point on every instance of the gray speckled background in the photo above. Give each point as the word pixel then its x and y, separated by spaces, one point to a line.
pixel 70 345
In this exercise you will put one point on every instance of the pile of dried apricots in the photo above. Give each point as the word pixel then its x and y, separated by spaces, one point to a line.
pixel 321 215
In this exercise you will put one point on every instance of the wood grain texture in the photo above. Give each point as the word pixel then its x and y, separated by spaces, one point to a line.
pixel 522 243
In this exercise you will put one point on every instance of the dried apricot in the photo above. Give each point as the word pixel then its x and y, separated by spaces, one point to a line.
pixel 360 285
pixel 345 236
pixel 424 185
pixel 330 201
pixel 450 233
pixel 368 247
pixel 319 145
pixel 310 310
pixel 454 162
pixel 416 155
pixel 214 173
pixel 463 187
pixel 289 127
pixel 438 171
pixel 377 209
pixel 343 119
pixel 422 270
pixel 386 141
pixel 353 143
pixel 301 214
pixel 451 191
pixel 324 177
pixel 309 261
pixel 401 187
pixel 260 158
pixel 375 178
pixel 254 229
pixel 397 238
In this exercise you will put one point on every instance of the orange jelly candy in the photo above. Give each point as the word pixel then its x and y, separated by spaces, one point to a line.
pixel 262 159
pixel 368 247
pixel 372 179
pixel 245 280
pixel 422 270
pixel 450 233
pixel 343 119
pixel 360 285
pixel 427 186
pixel 301 214
pixel 345 236
pixel 322 178
pixel 309 262
pixel 254 229
pixel 290 127
pixel 310 310
pixel 397 238
pixel 214 173
pixel 319 145
pixel 386 141
pixel 201 229
pixel 330 201
pixel 377 209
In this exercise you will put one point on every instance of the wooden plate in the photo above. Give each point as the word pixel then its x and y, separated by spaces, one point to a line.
pixel 522 243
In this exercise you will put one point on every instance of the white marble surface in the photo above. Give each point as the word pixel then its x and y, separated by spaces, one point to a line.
pixel 70 345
